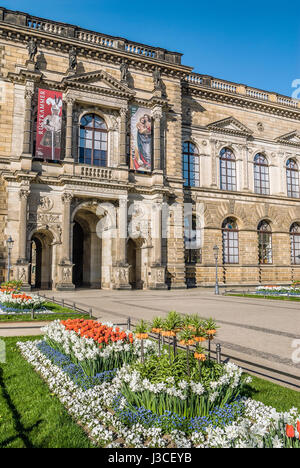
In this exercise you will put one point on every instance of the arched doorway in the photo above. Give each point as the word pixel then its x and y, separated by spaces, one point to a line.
pixel 41 260
pixel 134 258
pixel 87 255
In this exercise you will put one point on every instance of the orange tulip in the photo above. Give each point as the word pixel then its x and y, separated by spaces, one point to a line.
pixel 290 431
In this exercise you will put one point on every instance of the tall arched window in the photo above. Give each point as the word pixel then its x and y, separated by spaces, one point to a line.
pixel 230 238
pixel 295 243
pixel 261 175
pixel 227 170
pixel 292 178
pixel 93 141
pixel 190 164
pixel 264 243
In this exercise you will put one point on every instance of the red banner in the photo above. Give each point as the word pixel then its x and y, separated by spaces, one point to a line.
pixel 48 131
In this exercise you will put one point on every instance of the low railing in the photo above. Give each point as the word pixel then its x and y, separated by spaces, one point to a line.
pixel 140 50
pixel 287 101
pixel 54 28
pixel 96 172
pixel 223 85
pixel 95 38
pixel 75 308
pixel 194 78
pixel 254 93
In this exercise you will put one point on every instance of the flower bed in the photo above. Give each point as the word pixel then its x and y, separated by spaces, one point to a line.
pixel 94 346
pixel 256 425
pixel 128 392
pixel 12 301
pixel 278 290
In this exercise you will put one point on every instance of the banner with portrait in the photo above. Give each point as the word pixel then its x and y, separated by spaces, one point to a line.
pixel 141 139
pixel 49 119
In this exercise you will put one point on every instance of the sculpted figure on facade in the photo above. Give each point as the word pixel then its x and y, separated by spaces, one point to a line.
pixel 32 49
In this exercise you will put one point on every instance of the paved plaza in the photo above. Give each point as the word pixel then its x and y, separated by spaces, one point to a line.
pixel 256 330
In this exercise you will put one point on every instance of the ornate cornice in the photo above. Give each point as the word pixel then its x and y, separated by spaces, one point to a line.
pixel 239 100
pixel 48 40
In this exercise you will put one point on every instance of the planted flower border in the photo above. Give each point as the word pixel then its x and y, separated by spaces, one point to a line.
pixel 96 370
pixel 13 302
pixel 259 426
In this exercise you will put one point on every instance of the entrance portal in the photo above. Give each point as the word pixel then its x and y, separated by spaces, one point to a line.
pixel 134 256
pixel 87 250
pixel 41 261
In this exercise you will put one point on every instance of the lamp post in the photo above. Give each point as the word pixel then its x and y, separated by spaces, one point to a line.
pixel 10 244
pixel 216 254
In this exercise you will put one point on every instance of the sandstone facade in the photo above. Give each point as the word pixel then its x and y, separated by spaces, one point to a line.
pixel 53 210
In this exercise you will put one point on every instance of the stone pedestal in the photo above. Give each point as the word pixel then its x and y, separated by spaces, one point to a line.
pixel 65 271
pixel 121 277
pixel 158 277
pixel 23 272
pixel 30 65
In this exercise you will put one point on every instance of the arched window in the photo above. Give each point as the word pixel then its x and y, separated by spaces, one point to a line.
pixel 292 178
pixel 295 243
pixel 230 238
pixel 227 170
pixel 190 164
pixel 93 141
pixel 264 243
pixel 261 175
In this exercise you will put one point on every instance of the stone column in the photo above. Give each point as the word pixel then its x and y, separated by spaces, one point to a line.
pixel 157 115
pixel 156 232
pixel 245 150
pixel 29 92
pixel 121 269
pixel 213 164
pixel 69 128
pixel 158 272
pixel 122 234
pixel 123 137
pixel 66 201
pixel 65 266
pixel 22 262
pixel 23 194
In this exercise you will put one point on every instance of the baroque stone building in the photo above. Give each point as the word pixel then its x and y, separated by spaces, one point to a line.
pixel 229 152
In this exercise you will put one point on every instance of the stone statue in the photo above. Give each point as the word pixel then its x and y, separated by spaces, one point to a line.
pixel 32 49
pixel 72 59
pixel 124 72
pixel 157 79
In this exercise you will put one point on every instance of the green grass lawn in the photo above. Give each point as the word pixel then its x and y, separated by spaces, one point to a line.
pixel 274 298
pixel 59 313
pixel 271 394
pixel 30 417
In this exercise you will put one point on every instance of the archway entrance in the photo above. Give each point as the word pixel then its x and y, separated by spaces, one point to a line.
pixel 87 250
pixel 134 258
pixel 41 260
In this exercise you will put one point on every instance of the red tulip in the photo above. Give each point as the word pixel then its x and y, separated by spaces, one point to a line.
pixel 290 431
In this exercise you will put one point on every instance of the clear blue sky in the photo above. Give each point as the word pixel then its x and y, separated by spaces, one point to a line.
pixel 256 43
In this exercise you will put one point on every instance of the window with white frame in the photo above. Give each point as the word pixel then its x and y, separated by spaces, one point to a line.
pixel 295 243
pixel 190 165
pixel 230 237
pixel 292 178
pixel 227 170
pixel 265 256
pixel 93 141
pixel 261 175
